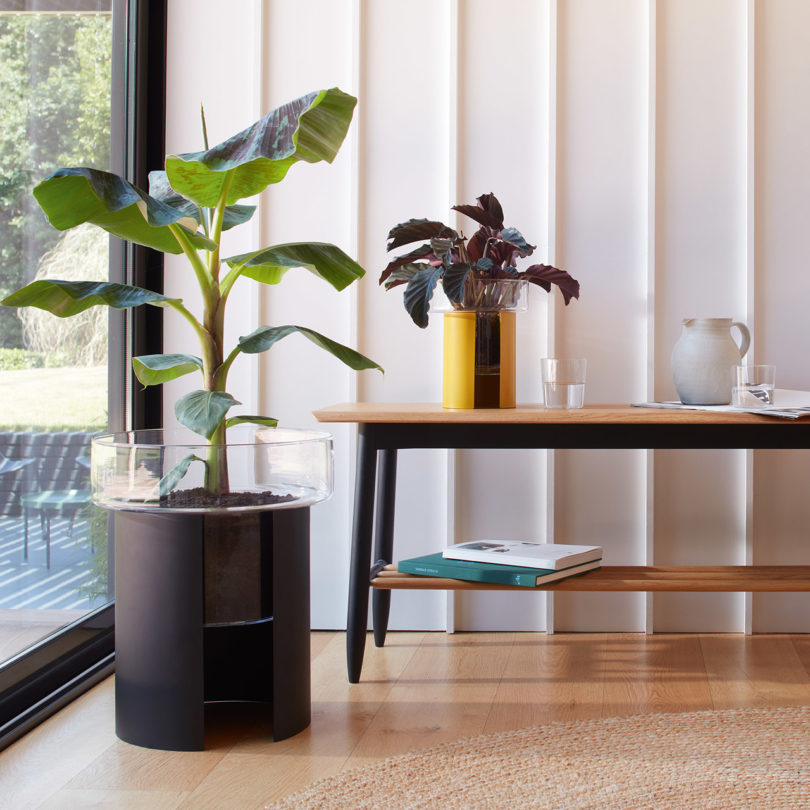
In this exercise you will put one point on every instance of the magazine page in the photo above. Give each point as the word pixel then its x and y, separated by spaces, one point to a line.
pixel 787 404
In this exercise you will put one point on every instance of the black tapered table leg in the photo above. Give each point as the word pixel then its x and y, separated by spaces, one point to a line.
pixel 384 538
pixel 360 566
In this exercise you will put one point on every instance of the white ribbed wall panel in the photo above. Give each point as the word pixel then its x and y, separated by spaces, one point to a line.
pixel 600 496
pixel 701 271
pixel 782 287
pixel 655 149
pixel 500 493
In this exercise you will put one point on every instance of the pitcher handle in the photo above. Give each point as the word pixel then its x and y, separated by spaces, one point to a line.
pixel 745 338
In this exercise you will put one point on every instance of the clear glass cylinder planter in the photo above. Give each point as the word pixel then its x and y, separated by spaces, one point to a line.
pixel 480 344
pixel 258 468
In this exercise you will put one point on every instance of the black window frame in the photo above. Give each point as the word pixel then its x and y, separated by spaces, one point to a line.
pixel 46 676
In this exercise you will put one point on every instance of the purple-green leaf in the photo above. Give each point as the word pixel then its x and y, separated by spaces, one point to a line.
pixel 454 279
pixel 544 275
pixel 417 230
pixel 403 274
pixel 419 291
pixel 514 237
pixel 423 253
pixel 488 212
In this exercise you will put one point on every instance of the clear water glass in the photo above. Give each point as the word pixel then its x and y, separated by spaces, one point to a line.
pixel 753 386
pixel 563 382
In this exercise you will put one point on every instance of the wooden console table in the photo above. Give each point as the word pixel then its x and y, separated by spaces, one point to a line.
pixel 386 428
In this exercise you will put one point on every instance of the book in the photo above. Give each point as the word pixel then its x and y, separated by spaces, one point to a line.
pixel 552 556
pixel 436 565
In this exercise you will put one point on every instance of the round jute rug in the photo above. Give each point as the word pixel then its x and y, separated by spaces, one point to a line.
pixel 739 758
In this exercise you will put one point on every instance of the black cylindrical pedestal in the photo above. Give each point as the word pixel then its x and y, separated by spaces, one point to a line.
pixel 232 627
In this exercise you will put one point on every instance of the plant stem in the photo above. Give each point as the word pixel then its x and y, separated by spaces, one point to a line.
pixel 215 373
pixel 217 222
pixel 222 371
pixel 198 265
pixel 216 468
pixel 227 283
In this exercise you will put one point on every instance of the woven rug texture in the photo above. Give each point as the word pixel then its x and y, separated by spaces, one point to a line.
pixel 737 758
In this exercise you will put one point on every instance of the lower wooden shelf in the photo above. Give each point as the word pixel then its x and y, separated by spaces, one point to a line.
pixel 710 578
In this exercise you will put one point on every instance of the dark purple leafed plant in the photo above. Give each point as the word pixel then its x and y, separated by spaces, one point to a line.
pixel 466 268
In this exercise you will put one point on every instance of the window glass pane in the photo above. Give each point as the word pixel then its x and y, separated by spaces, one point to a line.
pixel 54 111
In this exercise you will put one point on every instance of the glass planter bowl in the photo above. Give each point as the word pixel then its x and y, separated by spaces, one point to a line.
pixel 485 295
pixel 267 468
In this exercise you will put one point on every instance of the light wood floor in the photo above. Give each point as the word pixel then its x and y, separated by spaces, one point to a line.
pixel 420 690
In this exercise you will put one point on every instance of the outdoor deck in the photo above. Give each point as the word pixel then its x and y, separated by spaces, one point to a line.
pixel 35 600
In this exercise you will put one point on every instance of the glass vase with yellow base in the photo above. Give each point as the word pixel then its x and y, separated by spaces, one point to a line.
pixel 480 347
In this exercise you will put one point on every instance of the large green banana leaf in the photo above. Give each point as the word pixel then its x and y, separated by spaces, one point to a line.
pixel 203 411
pixel 264 337
pixel 311 129
pixel 66 298
pixel 70 197
pixel 326 261
pixel 156 369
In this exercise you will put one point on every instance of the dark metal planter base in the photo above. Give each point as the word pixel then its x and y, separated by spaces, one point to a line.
pixel 210 608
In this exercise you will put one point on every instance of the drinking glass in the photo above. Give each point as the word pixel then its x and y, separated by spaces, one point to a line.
pixel 752 386
pixel 563 382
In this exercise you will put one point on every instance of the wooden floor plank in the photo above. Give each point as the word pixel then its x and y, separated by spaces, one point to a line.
pixel 116 799
pixel 751 671
pixel 49 756
pixel 444 693
pixel 549 678
pixel 658 673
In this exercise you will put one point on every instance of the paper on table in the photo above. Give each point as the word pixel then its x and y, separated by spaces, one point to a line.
pixel 788 404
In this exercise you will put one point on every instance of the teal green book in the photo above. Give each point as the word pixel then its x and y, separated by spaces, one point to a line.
pixel 435 565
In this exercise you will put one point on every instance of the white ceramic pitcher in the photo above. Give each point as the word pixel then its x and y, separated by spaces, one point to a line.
pixel 702 360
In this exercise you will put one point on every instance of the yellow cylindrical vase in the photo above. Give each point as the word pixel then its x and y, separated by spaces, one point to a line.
pixel 479 359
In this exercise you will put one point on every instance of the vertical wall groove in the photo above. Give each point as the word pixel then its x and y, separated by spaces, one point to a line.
pixel 452 23
pixel 649 460
pixel 750 261
pixel 551 238
pixel 357 191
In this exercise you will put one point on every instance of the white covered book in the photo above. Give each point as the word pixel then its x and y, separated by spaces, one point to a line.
pixel 554 556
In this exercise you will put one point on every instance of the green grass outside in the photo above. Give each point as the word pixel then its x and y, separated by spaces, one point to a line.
pixel 54 399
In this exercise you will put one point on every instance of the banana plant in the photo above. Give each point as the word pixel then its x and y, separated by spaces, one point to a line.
pixel 188 207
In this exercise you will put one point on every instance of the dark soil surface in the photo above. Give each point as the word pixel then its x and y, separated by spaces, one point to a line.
pixel 200 498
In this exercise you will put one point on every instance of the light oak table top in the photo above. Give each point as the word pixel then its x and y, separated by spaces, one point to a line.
pixel 597 414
